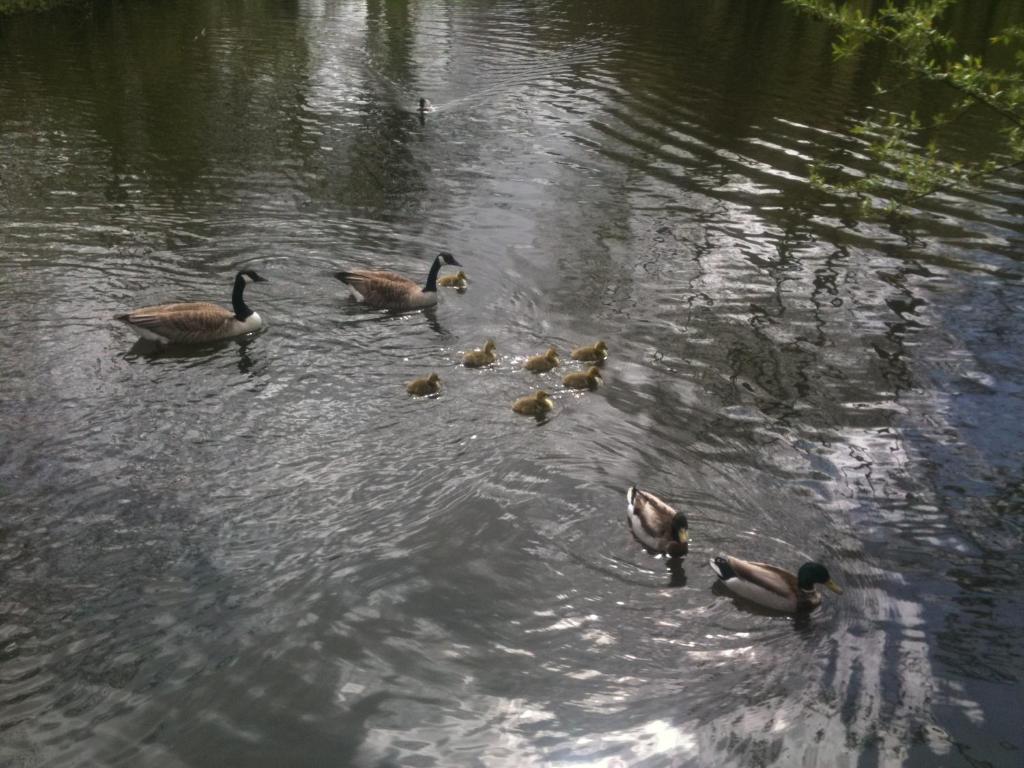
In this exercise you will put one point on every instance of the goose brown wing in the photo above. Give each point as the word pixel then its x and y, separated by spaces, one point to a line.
pixel 770 577
pixel 389 293
pixel 182 321
pixel 364 275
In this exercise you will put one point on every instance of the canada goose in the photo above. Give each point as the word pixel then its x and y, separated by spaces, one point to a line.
pixel 427 385
pixel 389 290
pixel 655 524
pixel 537 404
pixel 773 587
pixel 542 363
pixel 478 358
pixel 587 379
pixel 197 322
pixel 457 280
pixel 593 353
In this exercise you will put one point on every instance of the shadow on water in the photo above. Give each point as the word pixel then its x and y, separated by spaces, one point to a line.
pixel 357 314
pixel 677 573
pixel 197 354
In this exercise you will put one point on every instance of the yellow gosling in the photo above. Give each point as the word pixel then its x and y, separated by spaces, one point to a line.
pixel 458 280
pixel 542 363
pixel 593 353
pixel 478 358
pixel 427 385
pixel 537 404
pixel 588 379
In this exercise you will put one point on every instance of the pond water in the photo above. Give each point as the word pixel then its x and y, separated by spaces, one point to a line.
pixel 264 552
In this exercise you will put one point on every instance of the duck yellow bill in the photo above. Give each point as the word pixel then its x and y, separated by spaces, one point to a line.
pixel 834 587
pixel 684 537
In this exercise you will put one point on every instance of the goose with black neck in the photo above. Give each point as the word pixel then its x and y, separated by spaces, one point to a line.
pixel 197 322
pixel 389 290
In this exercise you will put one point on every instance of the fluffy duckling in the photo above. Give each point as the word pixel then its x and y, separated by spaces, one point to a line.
pixel 389 290
pixel 542 363
pixel 478 358
pixel 427 385
pixel 587 379
pixel 593 353
pixel 537 404
pixel 457 280
pixel 425 106
pixel 197 322
pixel 655 524
pixel 773 587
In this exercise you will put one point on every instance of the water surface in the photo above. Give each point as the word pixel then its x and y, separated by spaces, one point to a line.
pixel 263 552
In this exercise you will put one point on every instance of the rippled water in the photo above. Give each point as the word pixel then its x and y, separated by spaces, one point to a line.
pixel 264 552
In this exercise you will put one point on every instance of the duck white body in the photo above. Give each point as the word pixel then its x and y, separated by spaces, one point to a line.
pixel 197 322
pixel 655 524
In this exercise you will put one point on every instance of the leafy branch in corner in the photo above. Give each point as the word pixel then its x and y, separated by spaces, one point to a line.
pixel 911 167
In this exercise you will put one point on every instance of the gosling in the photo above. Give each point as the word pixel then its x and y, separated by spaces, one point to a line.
pixel 537 404
pixel 427 385
pixel 542 363
pixel 588 379
pixel 478 358
pixel 593 353
pixel 457 280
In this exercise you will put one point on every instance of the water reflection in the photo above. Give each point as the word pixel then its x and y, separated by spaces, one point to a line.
pixel 299 558
pixel 677 577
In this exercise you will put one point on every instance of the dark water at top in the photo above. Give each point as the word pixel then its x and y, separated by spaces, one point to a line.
pixel 265 553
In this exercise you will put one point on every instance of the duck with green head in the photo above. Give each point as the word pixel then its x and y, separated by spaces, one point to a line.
pixel 772 587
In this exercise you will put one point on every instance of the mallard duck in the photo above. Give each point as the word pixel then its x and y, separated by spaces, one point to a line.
pixel 197 322
pixel 427 385
pixel 593 353
pixel 587 379
pixel 425 106
pixel 655 524
pixel 478 358
pixel 542 363
pixel 390 290
pixel 773 587
pixel 457 280
pixel 537 404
